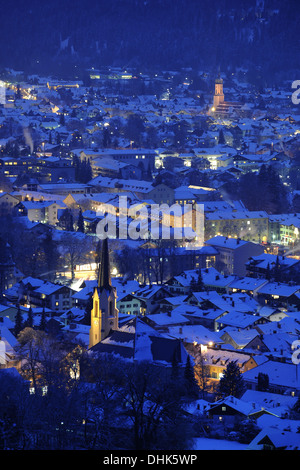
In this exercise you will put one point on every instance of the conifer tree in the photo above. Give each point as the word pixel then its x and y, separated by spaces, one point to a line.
pixel 18 322
pixel 232 382
pixel 200 284
pixel 262 382
pixel 43 320
pixel 277 271
pixel 29 321
pixel 189 377
pixel 193 284
pixel 80 222
pixel 268 272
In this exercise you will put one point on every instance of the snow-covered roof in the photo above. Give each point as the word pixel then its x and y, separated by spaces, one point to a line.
pixel 248 283
pixel 279 373
pixel 282 290
pixel 194 334
pixel 240 337
pixel 238 405
pixel 138 341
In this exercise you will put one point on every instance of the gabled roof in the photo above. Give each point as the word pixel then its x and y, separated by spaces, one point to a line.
pixel 240 406
pixel 282 290
pixel 226 242
pixel 240 337
pixel 137 341
pixel 280 374
pixel 280 439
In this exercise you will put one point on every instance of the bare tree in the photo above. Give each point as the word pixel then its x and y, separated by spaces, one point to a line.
pixel 153 405
pixel 202 373
pixel 75 249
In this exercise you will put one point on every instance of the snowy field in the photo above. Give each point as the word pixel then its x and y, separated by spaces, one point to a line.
pixel 202 443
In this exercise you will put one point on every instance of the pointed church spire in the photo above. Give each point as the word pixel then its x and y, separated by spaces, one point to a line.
pixel 104 279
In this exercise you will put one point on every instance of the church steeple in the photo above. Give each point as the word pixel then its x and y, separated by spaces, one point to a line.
pixel 104 314
pixel 219 94
pixel 104 279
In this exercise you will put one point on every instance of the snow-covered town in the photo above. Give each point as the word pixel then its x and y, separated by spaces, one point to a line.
pixel 140 342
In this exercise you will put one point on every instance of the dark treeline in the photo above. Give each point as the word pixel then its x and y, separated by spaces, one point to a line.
pixel 53 37
pixel 65 397
pixel 90 401
pixel 262 191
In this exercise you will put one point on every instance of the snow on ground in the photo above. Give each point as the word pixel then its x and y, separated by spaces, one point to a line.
pixel 203 443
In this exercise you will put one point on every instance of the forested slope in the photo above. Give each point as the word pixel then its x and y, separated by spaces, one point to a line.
pixel 167 34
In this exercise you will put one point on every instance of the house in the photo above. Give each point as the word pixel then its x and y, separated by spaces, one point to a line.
pixel 40 211
pixel 212 280
pixel 142 189
pixel 39 293
pixel 56 297
pixel 7 204
pixel 8 311
pixel 25 287
pixel 239 320
pixel 283 377
pixel 73 315
pixel 278 404
pixel 247 284
pixel 275 345
pixel 276 294
pixel 195 335
pixel 137 341
pixel 144 158
pixel 82 296
pixel 143 301
pixel 233 253
pixel 231 410
pixel 284 228
pixel 225 302
pixel 151 296
pixel 8 342
pixel 252 226
pixel 216 361
pixel 75 332
pixel 167 304
pixel 275 439
pixel 208 317
pixel 114 169
pixel 238 338
pixel 164 322
pixel 266 265
pixel 288 324
pixel 131 304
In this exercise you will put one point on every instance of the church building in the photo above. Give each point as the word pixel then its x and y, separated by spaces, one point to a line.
pixel 104 314
pixel 219 94
pixel 135 340
pixel 222 108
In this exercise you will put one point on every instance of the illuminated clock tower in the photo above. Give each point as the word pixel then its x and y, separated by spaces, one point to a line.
pixel 219 95
pixel 104 314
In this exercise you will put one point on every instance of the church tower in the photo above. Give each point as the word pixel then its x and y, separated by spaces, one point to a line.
pixel 104 314
pixel 219 95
